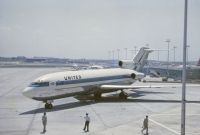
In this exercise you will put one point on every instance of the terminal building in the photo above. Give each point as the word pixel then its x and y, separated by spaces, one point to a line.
pixel 174 72
pixel 192 73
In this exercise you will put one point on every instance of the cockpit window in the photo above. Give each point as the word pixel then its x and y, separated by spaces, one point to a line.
pixel 39 84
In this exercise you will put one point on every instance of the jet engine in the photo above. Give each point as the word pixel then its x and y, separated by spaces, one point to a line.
pixel 126 64
pixel 137 75
pixel 133 75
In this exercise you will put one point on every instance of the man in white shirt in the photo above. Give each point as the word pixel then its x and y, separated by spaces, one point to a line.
pixel 87 122
pixel 44 122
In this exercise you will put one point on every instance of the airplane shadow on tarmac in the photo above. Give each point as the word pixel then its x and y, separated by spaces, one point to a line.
pixel 58 107
pixel 113 98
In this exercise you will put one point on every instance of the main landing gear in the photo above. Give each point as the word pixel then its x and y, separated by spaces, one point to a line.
pixel 123 95
pixel 97 95
pixel 48 105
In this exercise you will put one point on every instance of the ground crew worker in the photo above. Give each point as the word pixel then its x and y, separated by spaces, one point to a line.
pixel 87 122
pixel 145 125
pixel 44 122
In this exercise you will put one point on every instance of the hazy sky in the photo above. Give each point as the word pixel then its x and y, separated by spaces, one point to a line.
pixel 91 28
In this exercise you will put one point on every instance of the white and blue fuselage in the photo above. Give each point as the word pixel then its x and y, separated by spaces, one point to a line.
pixel 70 83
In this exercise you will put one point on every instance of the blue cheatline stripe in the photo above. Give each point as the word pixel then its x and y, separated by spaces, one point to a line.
pixel 67 82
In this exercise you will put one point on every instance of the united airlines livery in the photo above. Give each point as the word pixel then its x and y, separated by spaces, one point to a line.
pixel 84 82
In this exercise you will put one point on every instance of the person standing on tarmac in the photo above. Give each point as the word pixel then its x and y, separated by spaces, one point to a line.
pixel 145 125
pixel 44 122
pixel 87 122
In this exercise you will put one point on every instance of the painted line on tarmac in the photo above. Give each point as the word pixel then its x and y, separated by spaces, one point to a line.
pixel 173 131
pixel 98 116
pixel 189 133
pixel 32 120
pixel 175 114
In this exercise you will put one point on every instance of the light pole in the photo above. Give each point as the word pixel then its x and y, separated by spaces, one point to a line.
pixel 135 49
pixel 158 54
pixel 125 53
pixel 187 54
pixel 109 55
pixel 131 51
pixel 168 41
pixel 118 50
pixel 184 71
pixel 175 53
pixel 113 52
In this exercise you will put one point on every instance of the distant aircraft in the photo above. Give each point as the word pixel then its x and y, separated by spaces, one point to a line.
pixel 86 67
pixel 91 67
pixel 84 82
pixel 95 67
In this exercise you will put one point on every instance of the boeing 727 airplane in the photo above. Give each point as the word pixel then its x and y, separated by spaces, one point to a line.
pixel 84 82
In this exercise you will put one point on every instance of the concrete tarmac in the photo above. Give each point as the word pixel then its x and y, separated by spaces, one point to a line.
pixel 109 116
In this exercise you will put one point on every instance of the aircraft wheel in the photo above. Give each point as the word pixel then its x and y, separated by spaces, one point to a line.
pixel 97 95
pixel 123 95
pixel 48 106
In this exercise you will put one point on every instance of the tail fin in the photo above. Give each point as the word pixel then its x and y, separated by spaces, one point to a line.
pixel 139 60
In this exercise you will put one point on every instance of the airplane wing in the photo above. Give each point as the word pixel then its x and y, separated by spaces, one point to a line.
pixel 118 87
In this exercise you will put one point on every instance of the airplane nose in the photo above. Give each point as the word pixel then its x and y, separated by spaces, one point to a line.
pixel 28 92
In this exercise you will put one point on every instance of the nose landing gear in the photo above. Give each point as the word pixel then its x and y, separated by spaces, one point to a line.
pixel 48 105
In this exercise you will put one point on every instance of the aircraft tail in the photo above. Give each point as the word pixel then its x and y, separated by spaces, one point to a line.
pixel 139 60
